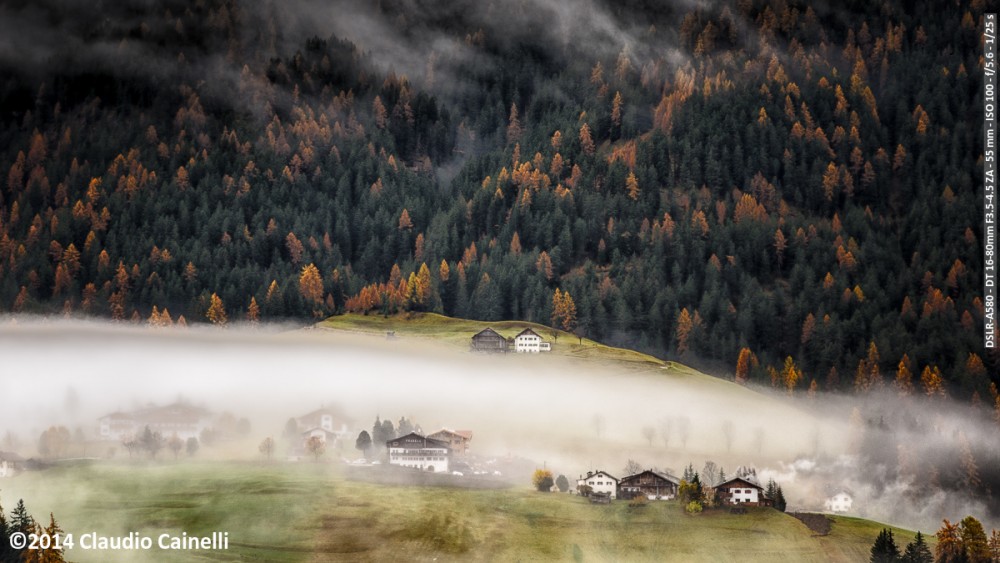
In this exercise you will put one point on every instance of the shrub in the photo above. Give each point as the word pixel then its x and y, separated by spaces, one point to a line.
pixel 693 507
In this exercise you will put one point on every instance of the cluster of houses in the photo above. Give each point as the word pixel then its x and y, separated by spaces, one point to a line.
pixel 184 420
pixel 526 342
pixel 656 485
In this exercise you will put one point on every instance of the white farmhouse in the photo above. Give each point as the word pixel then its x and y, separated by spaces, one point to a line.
pixel 742 491
pixel 326 422
pixel 529 342
pixel 599 482
pixel 840 502
pixel 419 452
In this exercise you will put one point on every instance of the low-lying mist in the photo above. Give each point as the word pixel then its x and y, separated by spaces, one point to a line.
pixel 910 463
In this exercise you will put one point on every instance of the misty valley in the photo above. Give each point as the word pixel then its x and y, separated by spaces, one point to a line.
pixel 509 280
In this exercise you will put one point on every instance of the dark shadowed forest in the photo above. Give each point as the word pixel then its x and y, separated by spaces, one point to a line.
pixel 775 191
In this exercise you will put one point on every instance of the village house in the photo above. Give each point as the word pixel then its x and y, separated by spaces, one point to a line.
pixel 457 440
pixel 839 503
pixel 529 342
pixel 419 452
pixel 653 484
pixel 10 464
pixel 489 340
pixel 182 419
pixel 326 422
pixel 743 492
pixel 599 482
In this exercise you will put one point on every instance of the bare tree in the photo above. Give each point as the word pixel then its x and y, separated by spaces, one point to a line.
pixel 665 427
pixel 316 446
pixel 648 432
pixel 727 433
pixel 175 444
pixel 758 439
pixel 709 474
pixel 632 467
pixel 598 422
pixel 151 441
pixel 267 447
pixel 684 429
pixel 130 443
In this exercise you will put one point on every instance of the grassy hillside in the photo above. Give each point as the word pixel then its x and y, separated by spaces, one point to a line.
pixel 457 332
pixel 309 512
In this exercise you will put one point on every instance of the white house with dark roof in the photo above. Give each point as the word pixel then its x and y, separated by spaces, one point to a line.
pixel 744 491
pixel 529 342
pixel 599 482
pixel 419 452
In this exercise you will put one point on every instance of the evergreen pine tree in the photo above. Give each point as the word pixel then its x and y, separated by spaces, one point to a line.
pixel 884 549
pixel 917 551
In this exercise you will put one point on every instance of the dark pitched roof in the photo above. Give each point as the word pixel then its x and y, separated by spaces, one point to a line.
pixel 487 332
pixel 466 434
pixel 745 481
pixel 600 472
pixel 528 331
pixel 10 456
pixel 664 476
pixel 417 439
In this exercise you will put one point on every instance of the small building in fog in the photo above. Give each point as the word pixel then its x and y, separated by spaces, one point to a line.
pixel 10 464
pixel 180 418
pixel 839 503
pixel 600 482
pixel 419 452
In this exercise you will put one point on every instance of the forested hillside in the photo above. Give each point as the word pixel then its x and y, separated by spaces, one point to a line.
pixel 782 191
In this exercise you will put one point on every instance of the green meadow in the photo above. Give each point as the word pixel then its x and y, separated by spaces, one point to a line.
pixel 310 512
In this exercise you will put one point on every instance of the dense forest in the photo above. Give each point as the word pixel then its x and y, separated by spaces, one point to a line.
pixel 780 192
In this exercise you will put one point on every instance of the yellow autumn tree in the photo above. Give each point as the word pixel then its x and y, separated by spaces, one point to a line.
pixel 790 375
pixel 311 284
pixel 216 313
pixel 746 361
pixel 563 311
pixel 424 286
pixel 586 141
pixel 684 326
pixel 253 311
pixel 632 186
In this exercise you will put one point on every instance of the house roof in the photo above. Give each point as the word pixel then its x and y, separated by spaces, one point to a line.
pixel 664 476
pixel 746 482
pixel 465 434
pixel 599 472
pixel 528 331
pixel 10 456
pixel 315 428
pixel 315 417
pixel 487 332
pixel 176 413
pixel 415 439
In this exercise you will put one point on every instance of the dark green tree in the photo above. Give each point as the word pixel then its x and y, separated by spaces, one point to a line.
pixel 364 442
pixel 562 483
pixel 917 551
pixel 884 549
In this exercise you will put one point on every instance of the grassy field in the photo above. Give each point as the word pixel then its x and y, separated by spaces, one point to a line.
pixel 456 333
pixel 309 512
